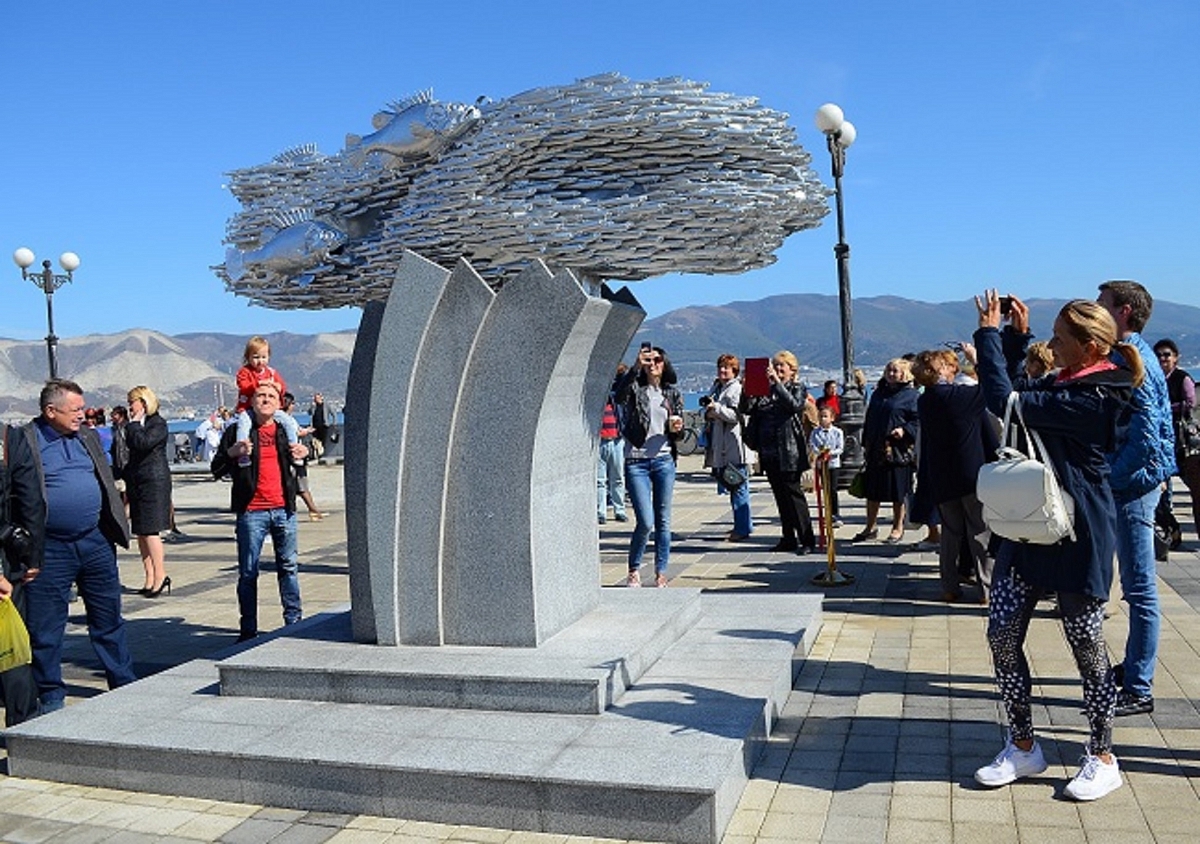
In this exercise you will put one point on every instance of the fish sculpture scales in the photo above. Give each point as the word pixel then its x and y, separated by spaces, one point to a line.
pixel 607 177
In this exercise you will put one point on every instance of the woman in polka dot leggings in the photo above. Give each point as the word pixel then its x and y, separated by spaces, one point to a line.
pixel 1078 411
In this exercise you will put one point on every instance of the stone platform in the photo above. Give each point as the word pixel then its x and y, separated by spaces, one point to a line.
pixel 680 691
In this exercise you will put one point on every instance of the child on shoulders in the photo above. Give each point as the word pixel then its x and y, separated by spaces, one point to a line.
pixel 255 370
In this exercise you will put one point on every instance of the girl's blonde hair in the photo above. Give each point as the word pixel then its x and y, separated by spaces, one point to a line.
pixel 255 344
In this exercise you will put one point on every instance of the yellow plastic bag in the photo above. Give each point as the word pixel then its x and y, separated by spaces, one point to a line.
pixel 14 638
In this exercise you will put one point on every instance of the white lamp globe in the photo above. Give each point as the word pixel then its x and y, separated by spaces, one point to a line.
pixel 24 258
pixel 829 118
pixel 847 134
pixel 69 261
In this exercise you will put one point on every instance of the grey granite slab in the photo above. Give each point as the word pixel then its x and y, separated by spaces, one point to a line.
pixel 683 743
pixel 582 669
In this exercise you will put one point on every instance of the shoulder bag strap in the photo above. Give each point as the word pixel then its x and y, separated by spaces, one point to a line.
pixel 1039 453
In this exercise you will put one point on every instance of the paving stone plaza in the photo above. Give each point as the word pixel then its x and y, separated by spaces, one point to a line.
pixel 890 714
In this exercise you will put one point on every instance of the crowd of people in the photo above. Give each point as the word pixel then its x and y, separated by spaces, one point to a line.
pixel 1115 429
pixel 76 482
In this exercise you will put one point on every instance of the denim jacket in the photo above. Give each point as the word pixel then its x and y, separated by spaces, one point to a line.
pixel 1145 456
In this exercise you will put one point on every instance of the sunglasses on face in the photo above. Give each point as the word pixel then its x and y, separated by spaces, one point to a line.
pixel 656 359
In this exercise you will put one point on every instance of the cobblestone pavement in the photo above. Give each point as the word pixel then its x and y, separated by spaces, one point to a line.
pixel 889 717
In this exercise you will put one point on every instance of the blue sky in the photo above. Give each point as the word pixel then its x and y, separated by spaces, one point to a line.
pixel 1038 146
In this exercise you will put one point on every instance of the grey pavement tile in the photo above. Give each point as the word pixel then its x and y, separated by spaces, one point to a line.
pixel 255 831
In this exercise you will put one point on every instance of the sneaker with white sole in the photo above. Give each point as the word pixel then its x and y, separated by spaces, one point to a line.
pixel 1011 764
pixel 634 579
pixel 1095 779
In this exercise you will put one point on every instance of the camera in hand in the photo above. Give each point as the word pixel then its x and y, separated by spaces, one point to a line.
pixel 705 401
pixel 18 547
pixel 1005 305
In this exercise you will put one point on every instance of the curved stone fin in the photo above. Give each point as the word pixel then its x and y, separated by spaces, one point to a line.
pixel 622 296
pixel 404 328
pixel 488 565
pixel 356 435
pixel 445 350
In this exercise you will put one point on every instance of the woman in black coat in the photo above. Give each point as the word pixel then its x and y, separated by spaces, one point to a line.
pixel 1078 413
pixel 890 432
pixel 777 434
pixel 957 437
pixel 148 486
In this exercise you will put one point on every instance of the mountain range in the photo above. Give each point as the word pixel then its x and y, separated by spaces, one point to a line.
pixel 192 372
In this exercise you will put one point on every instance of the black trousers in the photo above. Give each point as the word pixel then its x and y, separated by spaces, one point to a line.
pixel 791 503
pixel 18 692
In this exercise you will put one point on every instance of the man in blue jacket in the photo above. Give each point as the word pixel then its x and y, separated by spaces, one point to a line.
pixel 62 493
pixel 1143 459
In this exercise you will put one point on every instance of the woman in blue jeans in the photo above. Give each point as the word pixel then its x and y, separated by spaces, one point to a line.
pixel 652 419
pixel 724 437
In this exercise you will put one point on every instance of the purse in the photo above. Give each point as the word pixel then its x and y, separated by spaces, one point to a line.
pixel 731 476
pixel 1020 494
pixel 1187 438
pixel 858 485
pixel 14 638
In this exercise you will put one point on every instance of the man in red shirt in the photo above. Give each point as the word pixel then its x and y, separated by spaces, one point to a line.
pixel 263 495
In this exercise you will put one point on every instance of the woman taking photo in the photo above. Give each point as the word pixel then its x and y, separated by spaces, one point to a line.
pixel 725 448
pixel 777 432
pixel 889 434
pixel 1076 412
pixel 148 486
pixel 653 417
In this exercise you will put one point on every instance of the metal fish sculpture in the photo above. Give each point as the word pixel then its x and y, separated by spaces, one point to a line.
pixel 611 178
pixel 417 126
pixel 298 250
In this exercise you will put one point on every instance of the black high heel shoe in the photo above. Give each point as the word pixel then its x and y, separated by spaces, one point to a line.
pixel 166 584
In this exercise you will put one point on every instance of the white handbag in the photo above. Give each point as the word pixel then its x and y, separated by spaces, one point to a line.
pixel 1021 496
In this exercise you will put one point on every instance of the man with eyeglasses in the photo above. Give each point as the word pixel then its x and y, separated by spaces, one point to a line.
pixel 1143 459
pixel 62 493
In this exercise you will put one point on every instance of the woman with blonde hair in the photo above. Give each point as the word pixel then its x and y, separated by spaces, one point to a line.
pixel 1078 413
pixel 148 486
pixel 889 438
pixel 776 431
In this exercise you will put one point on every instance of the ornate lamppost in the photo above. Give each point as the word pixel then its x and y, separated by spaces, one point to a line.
pixel 48 281
pixel 839 135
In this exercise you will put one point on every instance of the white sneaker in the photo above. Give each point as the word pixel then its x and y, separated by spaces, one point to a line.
pixel 1095 779
pixel 1011 764
pixel 634 580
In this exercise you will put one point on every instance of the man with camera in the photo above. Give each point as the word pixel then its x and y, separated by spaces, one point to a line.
pixel 62 493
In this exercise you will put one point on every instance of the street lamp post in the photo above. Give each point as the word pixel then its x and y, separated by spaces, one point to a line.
pixel 839 135
pixel 48 281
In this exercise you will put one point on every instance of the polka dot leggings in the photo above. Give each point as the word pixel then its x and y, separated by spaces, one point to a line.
pixel 1012 604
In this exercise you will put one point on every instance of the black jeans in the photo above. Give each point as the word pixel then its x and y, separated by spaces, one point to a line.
pixel 791 503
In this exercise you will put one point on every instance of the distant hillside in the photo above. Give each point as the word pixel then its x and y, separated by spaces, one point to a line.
pixel 884 327
pixel 190 371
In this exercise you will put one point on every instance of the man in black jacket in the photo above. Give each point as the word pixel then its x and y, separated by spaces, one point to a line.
pixel 62 493
pixel 263 495
pixel 18 691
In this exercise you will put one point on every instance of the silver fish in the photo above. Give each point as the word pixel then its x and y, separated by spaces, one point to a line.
pixel 417 126
pixel 295 249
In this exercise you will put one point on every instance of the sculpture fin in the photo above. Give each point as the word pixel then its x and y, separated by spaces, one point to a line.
pixel 353 140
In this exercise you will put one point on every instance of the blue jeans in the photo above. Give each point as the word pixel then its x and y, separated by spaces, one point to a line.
pixel 252 529
pixel 610 478
pixel 91 562
pixel 1135 554
pixel 651 484
pixel 739 501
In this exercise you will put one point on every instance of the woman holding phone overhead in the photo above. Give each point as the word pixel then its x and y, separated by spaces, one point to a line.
pixel 652 419
pixel 776 431
pixel 1077 412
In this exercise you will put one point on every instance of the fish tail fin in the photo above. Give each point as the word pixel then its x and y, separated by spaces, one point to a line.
pixel 234 266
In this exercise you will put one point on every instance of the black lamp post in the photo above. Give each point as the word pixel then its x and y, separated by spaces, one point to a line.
pixel 840 134
pixel 48 281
